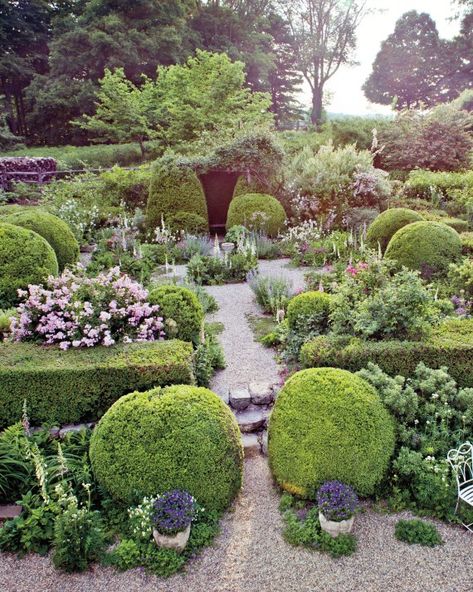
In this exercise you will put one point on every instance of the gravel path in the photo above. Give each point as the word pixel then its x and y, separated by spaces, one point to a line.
pixel 246 359
pixel 250 555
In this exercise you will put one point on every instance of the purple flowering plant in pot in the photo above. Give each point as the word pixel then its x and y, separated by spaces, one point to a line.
pixel 173 513
pixel 338 504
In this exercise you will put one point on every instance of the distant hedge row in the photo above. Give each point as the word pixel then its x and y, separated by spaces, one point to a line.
pixel 81 384
pixel 450 345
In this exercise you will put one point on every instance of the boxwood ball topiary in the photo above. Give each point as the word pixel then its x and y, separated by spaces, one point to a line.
pixel 181 305
pixel 25 258
pixel 257 211
pixel 174 188
pixel 188 222
pixel 179 437
pixel 309 311
pixel 329 424
pixel 384 226
pixel 429 247
pixel 53 229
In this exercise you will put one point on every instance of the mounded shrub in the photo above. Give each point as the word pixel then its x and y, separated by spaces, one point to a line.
pixel 257 211
pixel 329 424
pixel 456 223
pixel 174 188
pixel 450 345
pixel 188 222
pixel 428 247
pixel 384 226
pixel 309 311
pixel 53 229
pixel 80 384
pixel 25 258
pixel 179 437
pixel 182 306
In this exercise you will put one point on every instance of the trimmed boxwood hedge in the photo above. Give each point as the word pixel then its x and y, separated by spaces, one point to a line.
pixel 182 306
pixel 53 229
pixel 174 188
pixel 450 345
pixel 243 208
pixel 25 258
pixel 179 437
pixel 329 424
pixel 81 384
pixel 428 247
pixel 384 226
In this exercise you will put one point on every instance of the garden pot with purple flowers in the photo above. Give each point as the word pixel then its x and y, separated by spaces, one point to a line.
pixel 338 504
pixel 172 519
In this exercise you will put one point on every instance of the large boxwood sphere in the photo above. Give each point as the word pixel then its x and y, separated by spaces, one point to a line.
pixel 329 424
pixel 181 305
pixel 179 437
pixel 53 229
pixel 384 226
pixel 257 211
pixel 309 311
pixel 174 188
pixel 429 247
pixel 25 258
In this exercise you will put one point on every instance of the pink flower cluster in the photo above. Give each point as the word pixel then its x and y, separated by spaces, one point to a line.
pixel 354 270
pixel 76 311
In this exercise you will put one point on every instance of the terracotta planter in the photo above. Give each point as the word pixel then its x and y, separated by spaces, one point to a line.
pixel 177 541
pixel 335 528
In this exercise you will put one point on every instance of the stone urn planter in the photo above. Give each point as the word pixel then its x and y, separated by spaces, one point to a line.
pixel 227 247
pixel 177 541
pixel 335 528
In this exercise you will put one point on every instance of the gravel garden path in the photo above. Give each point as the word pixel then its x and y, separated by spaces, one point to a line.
pixel 246 359
pixel 250 553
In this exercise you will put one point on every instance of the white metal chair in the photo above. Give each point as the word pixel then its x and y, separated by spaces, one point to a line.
pixel 461 461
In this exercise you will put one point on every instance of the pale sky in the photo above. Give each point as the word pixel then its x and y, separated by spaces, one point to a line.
pixel 346 84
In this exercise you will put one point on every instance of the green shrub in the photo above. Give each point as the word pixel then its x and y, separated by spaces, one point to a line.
pixel 212 270
pixel 450 345
pixel 189 223
pixel 257 211
pixel 467 243
pixel 456 223
pixel 183 306
pixel 243 186
pixel 460 277
pixel 126 188
pixel 25 258
pixel 174 188
pixel 384 226
pixel 179 437
pixel 53 229
pixel 329 424
pixel 69 386
pixel 428 247
pixel 309 312
pixel 417 532
pixel 424 184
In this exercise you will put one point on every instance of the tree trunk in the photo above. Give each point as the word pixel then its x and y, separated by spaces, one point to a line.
pixel 142 148
pixel 317 107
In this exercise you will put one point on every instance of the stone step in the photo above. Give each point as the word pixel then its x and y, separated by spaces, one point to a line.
pixel 9 511
pixel 261 393
pixel 251 420
pixel 240 398
pixel 251 445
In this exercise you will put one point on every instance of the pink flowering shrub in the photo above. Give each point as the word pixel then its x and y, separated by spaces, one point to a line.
pixel 76 311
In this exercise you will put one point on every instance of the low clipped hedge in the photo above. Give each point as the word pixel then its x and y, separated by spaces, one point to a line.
pixel 188 222
pixel 81 384
pixel 182 306
pixel 179 437
pixel 467 243
pixel 53 229
pixel 428 247
pixel 329 424
pixel 174 188
pixel 25 258
pixel 450 345
pixel 309 311
pixel 257 211
pixel 384 226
